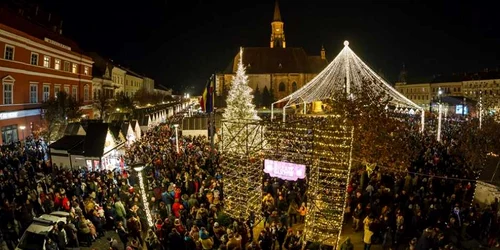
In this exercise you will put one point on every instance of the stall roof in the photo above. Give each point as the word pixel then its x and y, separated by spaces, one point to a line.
pixel 67 142
pixel 96 137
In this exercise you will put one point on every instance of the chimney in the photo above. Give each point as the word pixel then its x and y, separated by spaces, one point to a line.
pixel 60 27
pixel 50 15
pixel 486 70
pixel 36 11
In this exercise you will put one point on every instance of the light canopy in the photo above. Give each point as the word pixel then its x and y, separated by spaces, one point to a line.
pixel 347 71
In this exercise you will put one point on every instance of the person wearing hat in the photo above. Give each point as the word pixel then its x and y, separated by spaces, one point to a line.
pixel 206 241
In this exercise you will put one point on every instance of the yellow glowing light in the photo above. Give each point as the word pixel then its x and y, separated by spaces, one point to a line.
pixel 324 145
pixel 143 195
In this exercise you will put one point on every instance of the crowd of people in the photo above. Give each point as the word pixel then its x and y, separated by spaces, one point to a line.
pixel 425 206
pixel 428 205
pixel 90 202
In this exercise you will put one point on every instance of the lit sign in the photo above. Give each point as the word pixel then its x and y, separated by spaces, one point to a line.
pixel 57 43
pixel 18 114
pixel 461 109
pixel 285 170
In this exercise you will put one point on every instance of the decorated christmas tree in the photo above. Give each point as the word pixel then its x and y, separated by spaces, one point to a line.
pixel 241 133
pixel 242 142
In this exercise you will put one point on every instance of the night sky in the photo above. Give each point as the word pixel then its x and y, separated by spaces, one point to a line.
pixel 181 43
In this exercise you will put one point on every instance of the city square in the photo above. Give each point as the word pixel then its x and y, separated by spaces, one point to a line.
pixel 227 145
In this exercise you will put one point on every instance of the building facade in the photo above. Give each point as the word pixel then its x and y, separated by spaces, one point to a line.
pixel 279 69
pixel 118 77
pixel 149 84
pixel 35 64
pixel 483 85
pixel 133 82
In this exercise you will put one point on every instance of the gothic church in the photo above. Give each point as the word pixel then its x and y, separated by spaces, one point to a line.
pixel 278 70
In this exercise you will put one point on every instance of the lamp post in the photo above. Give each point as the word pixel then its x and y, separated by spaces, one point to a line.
pixel 176 126
pixel 439 115
pixel 143 194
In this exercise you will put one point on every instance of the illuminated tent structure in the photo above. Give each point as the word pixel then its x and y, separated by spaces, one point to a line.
pixel 346 72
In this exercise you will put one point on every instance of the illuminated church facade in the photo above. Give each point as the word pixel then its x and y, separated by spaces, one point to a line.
pixel 275 71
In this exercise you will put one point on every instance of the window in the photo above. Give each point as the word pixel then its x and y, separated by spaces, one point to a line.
pixel 74 69
pixel 282 87
pixel 34 59
pixel 46 92
pixel 33 93
pixel 86 70
pixel 57 89
pixel 7 93
pixel 57 64
pixel 9 134
pixel 294 86
pixel 86 92
pixel 66 66
pixel 66 89
pixel 46 61
pixel 74 93
pixel 9 52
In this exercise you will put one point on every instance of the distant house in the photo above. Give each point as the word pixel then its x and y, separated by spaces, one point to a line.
pixel 100 148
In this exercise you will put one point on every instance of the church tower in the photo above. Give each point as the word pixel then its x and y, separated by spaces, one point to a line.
pixel 403 75
pixel 277 32
pixel 323 53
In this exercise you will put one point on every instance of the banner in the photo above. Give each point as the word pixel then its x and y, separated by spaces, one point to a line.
pixel 208 98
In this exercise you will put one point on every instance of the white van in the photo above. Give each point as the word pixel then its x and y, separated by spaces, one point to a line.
pixel 34 237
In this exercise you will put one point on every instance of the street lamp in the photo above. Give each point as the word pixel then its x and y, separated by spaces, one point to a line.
pixel 176 126
pixel 22 127
pixel 143 195
pixel 440 92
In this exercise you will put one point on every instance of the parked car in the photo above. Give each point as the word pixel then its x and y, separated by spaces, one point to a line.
pixel 35 236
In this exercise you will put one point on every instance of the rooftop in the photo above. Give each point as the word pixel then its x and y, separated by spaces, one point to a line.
pixel 262 60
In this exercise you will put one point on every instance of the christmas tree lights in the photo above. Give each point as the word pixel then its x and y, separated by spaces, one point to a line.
pixel 242 140
pixel 241 112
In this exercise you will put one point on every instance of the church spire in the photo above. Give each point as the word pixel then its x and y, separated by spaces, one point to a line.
pixel 277 14
pixel 277 32
pixel 403 75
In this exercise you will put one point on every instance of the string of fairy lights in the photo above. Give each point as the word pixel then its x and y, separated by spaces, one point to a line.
pixel 242 169
pixel 346 71
pixel 324 146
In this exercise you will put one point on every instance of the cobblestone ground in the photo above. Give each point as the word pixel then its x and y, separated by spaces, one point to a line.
pixel 102 243
pixel 356 237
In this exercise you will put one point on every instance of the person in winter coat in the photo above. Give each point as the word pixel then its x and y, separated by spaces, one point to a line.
pixel 152 242
pixel 84 230
pixel 206 241
pixel 50 245
pixel 175 240
pixel 347 245
pixel 367 238
pixel 122 233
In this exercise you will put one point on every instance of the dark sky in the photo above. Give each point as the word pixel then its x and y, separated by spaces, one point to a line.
pixel 181 43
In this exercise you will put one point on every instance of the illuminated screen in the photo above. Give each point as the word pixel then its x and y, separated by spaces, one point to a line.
pixel 460 109
pixel 285 170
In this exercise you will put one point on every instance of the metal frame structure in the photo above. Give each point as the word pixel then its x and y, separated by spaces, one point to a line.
pixel 242 168
pixel 324 145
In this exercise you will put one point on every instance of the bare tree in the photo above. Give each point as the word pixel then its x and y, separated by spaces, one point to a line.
pixel 102 104
pixel 59 111
pixel 380 137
